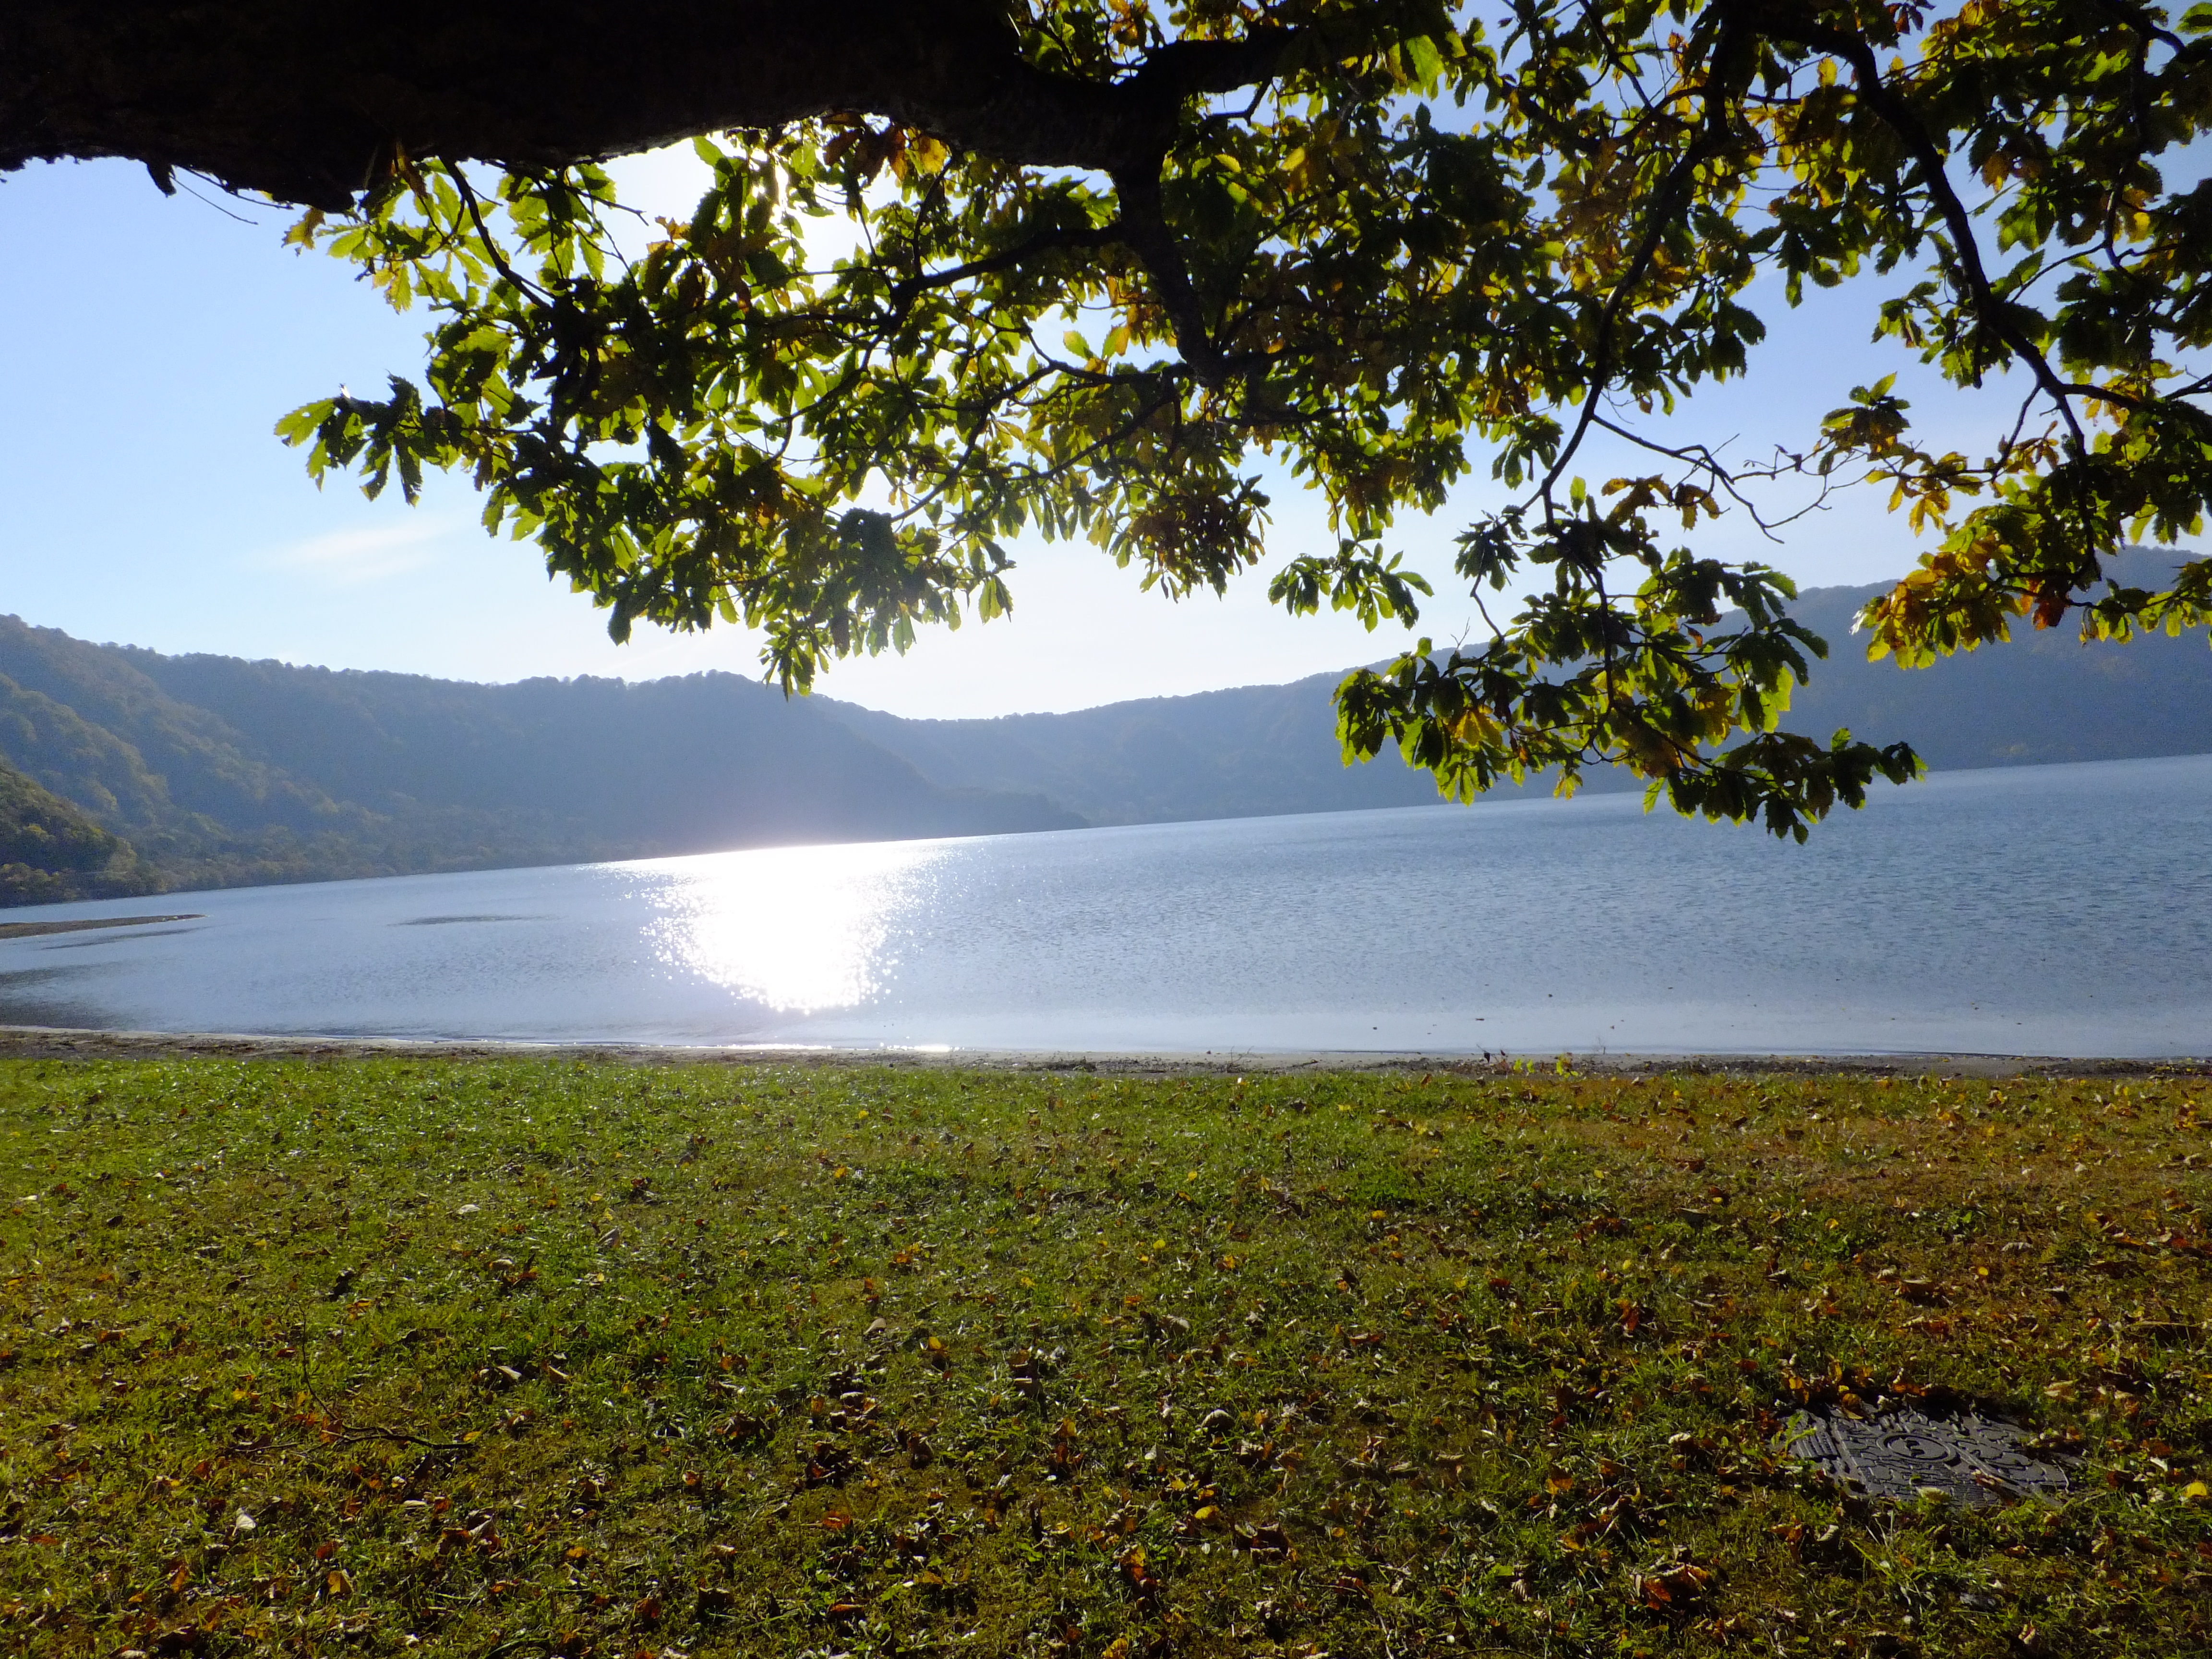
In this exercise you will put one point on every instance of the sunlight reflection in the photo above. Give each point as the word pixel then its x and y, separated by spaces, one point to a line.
pixel 798 928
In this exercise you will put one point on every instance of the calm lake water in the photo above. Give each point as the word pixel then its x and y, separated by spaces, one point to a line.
pixel 2045 910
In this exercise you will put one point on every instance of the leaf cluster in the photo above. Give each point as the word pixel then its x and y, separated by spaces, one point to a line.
pixel 1373 244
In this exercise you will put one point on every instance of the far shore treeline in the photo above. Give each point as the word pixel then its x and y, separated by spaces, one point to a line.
pixel 123 771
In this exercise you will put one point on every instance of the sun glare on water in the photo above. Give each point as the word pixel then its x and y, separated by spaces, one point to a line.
pixel 798 929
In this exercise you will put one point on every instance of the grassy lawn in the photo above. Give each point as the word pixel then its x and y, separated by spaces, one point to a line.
pixel 539 1358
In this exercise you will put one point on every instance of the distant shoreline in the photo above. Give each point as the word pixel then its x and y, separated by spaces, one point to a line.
pixel 59 1043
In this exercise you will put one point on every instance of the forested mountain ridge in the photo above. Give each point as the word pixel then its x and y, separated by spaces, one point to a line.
pixel 687 764
pixel 206 771
pixel 163 776
pixel 221 772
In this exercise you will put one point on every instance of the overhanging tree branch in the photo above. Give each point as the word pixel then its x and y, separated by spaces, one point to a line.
pixel 1667 203
pixel 1794 29
pixel 298 102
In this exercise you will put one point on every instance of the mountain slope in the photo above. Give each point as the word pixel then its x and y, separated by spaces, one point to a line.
pixel 224 772
pixel 51 850
pixel 192 754
pixel 673 765
pixel 1268 748
pixel 2043 696
pixel 1251 751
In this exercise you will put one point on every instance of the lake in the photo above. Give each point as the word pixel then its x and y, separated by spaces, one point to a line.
pixel 2057 910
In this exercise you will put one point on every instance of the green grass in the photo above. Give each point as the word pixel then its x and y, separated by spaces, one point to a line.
pixel 512 1359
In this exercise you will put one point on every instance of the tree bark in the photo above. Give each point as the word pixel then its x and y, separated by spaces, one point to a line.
pixel 308 101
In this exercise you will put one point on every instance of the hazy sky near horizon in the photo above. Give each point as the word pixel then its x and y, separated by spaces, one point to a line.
pixel 149 343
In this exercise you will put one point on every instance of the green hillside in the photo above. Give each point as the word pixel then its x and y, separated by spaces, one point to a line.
pixel 226 773
pixel 49 850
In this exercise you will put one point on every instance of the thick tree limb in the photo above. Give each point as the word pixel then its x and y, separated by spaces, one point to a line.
pixel 310 102
pixel 1145 233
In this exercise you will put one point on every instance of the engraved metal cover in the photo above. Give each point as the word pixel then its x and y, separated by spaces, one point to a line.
pixel 1903 1453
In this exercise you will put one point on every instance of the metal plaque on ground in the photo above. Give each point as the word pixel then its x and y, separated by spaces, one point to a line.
pixel 1907 1454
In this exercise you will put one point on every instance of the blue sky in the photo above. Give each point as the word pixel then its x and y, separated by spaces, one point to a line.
pixel 149 342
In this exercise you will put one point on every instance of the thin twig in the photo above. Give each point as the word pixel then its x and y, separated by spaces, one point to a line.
pixel 491 248
pixel 354 1436
pixel 1666 206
